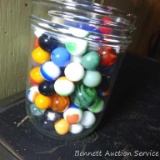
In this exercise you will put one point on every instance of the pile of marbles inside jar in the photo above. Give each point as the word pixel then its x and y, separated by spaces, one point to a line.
pixel 69 82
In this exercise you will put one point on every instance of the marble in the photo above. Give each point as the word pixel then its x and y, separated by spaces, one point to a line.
pixel 40 56
pixel 47 43
pixel 91 60
pixel 92 78
pixel 64 86
pixel 42 102
pixel 88 119
pixel 74 71
pixel 60 56
pixel 59 103
pixel 62 126
pixel 76 47
pixel 50 71
pixel 84 96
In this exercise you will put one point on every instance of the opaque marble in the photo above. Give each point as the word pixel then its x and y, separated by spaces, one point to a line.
pixel 92 78
pixel 50 71
pixel 76 128
pixel 32 93
pixel 73 115
pixel 36 75
pixel 88 119
pixel 76 47
pixel 60 56
pixel 64 86
pixel 46 88
pixel 74 71
pixel 42 102
pixel 62 126
pixel 47 42
pixel 91 60
pixel 40 56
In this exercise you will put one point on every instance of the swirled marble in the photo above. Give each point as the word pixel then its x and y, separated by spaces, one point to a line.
pixel 84 96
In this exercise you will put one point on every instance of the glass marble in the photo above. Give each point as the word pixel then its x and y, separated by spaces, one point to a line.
pixel 46 88
pixel 36 44
pixel 91 60
pixel 108 56
pixel 84 96
pixel 32 93
pixel 107 29
pixel 62 126
pixel 50 115
pixel 42 102
pixel 76 128
pixel 73 115
pixel 35 110
pixel 76 47
pixel 74 71
pixel 59 103
pixel 92 78
pixel 64 86
pixel 50 71
pixel 47 42
pixel 47 125
pixel 36 75
pixel 60 56
pixel 88 119
pixel 98 106
pixel 40 56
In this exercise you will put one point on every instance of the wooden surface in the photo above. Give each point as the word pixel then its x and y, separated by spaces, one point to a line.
pixel 148 23
pixel 14 37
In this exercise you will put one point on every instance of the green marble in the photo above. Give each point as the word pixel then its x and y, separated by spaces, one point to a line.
pixel 76 47
pixel 98 106
pixel 84 96
pixel 91 60
pixel 92 78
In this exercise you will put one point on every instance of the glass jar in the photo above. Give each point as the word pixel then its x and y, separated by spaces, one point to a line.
pixel 76 51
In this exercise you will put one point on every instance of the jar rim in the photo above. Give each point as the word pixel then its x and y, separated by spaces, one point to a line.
pixel 62 15
pixel 52 26
pixel 96 9
pixel 115 43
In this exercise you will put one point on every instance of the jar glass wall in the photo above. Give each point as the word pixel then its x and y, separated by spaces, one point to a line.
pixel 76 51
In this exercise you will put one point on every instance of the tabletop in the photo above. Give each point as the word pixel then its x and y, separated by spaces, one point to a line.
pixel 130 129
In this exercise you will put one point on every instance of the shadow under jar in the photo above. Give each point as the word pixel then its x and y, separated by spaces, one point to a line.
pixel 77 48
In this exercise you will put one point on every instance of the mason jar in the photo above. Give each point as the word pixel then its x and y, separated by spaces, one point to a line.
pixel 76 49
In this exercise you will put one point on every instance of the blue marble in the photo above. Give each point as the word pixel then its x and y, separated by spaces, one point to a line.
pixel 50 71
pixel 60 56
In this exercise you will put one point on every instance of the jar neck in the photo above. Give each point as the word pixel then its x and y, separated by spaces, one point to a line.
pixel 67 17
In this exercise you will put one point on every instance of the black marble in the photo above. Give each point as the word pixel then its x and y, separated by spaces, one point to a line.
pixel 131 125
pixel 47 43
